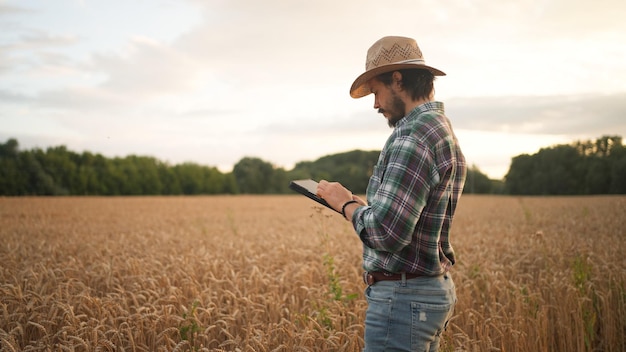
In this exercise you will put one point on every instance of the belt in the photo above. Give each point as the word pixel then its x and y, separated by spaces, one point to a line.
pixel 371 277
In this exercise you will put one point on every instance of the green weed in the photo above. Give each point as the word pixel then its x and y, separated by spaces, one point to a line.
pixel 190 325
pixel 582 270
pixel 335 290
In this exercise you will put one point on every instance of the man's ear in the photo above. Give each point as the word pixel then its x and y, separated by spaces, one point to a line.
pixel 397 78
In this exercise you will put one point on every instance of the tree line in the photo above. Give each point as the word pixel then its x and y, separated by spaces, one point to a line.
pixel 582 168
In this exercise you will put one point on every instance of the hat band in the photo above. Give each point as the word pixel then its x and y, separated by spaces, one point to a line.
pixel 417 61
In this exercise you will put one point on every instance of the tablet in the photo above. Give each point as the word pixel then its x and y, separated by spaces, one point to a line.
pixel 308 188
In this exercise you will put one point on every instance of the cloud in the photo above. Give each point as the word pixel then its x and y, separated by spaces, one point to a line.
pixel 580 19
pixel 570 115
pixel 36 40
pixel 11 97
pixel 11 10
pixel 592 115
pixel 31 48
pixel 147 68
pixel 112 81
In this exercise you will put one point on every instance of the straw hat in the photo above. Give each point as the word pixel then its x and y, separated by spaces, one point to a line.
pixel 390 54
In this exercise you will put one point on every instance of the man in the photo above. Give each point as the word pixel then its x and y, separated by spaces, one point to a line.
pixel 411 198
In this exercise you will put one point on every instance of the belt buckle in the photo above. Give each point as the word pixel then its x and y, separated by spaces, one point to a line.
pixel 368 278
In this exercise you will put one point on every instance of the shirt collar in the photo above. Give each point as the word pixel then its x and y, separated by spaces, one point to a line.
pixel 435 106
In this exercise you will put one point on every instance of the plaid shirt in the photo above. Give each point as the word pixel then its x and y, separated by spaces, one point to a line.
pixel 412 195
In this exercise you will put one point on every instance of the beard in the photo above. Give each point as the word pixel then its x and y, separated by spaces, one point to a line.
pixel 396 110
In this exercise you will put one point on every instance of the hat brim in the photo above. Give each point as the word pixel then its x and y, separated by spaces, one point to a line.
pixel 360 88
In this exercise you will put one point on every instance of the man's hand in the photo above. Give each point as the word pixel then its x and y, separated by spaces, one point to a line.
pixel 336 195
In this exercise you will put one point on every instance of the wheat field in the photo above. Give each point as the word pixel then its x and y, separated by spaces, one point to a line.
pixel 275 273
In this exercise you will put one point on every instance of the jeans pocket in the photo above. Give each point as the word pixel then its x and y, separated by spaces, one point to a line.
pixel 427 323
pixel 380 300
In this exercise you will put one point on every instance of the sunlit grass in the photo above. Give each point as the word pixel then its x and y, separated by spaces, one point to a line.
pixel 272 273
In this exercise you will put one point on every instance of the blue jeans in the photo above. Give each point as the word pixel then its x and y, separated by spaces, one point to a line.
pixel 408 315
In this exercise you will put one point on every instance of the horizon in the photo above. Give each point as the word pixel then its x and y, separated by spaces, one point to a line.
pixel 286 168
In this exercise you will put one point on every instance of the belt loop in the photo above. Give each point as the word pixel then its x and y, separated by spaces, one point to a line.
pixel 403 279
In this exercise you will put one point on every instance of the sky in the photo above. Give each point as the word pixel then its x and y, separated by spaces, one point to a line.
pixel 213 81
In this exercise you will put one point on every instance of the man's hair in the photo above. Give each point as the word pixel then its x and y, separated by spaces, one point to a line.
pixel 417 82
